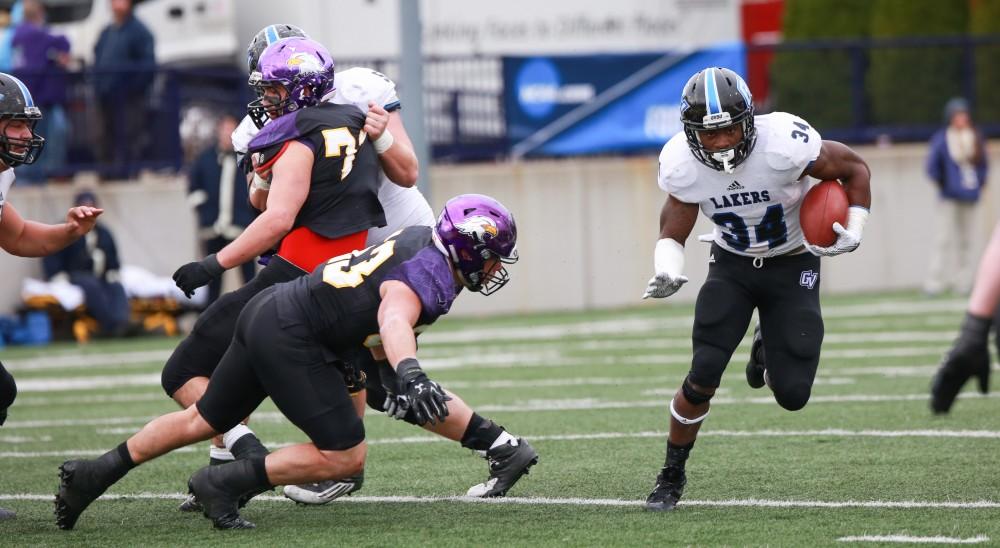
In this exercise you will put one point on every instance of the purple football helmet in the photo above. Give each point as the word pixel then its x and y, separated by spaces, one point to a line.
pixel 302 66
pixel 473 229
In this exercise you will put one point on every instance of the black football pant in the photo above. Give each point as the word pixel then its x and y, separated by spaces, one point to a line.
pixel 271 356
pixel 785 292
pixel 199 353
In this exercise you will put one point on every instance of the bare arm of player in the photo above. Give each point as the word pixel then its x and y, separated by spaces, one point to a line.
pixel 291 176
pixel 32 239
pixel 677 219
pixel 395 150
pixel 985 296
pixel 397 314
pixel 838 161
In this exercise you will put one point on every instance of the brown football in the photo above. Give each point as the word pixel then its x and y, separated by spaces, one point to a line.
pixel 824 204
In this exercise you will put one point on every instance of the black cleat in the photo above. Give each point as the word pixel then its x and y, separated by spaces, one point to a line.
pixel 80 483
pixel 755 366
pixel 669 487
pixel 324 491
pixel 190 504
pixel 219 503
pixel 960 364
pixel 508 462
pixel 6 514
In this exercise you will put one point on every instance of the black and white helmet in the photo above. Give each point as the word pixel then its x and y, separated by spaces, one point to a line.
pixel 16 104
pixel 716 98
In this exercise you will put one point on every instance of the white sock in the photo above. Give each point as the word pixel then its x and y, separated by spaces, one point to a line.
pixel 235 433
pixel 503 438
pixel 220 453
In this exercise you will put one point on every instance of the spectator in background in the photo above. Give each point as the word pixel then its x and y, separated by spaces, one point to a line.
pixel 92 264
pixel 40 59
pixel 957 165
pixel 10 16
pixel 217 189
pixel 124 66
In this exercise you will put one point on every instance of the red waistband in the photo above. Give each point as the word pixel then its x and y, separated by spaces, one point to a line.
pixel 306 249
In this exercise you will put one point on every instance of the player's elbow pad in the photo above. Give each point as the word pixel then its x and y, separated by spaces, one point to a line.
pixel 668 258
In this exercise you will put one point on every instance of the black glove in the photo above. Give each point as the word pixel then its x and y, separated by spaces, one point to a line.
pixel 426 397
pixel 395 405
pixel 968 357
pixel 194 275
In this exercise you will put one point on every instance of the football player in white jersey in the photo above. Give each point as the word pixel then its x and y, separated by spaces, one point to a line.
pixel 747 174
pixel 19 144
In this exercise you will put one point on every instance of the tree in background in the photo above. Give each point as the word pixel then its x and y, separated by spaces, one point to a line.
pixel 816 84
pixel 909 85
pixel 985 20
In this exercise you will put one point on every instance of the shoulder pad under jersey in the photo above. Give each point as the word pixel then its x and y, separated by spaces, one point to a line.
pixel 677 170
pixel 791 143
pixel 356 86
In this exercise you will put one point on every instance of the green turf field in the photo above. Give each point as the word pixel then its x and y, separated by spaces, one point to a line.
pixel 864 460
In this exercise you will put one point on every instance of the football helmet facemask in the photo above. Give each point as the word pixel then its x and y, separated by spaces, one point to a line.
pixel 16 104
pixel 303 67
pixel 716 98
pixel 471 230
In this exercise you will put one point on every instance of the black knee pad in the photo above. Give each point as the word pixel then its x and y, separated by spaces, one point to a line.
pixel 693 396
pixel 792 398
pixel 804 333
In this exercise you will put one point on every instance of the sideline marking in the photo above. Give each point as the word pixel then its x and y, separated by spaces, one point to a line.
pixel 924 540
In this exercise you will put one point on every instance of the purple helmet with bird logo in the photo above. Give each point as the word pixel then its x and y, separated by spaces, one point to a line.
pixel 471 230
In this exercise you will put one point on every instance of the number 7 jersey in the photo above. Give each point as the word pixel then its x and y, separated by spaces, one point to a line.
pixel 756 208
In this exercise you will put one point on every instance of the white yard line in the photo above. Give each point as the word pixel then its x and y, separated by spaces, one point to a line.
pixel 730 503
pixel 422 439
pixel 534 405
pixel 908 539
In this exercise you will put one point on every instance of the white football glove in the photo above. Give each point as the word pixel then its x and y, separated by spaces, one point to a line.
pixel 668 262
pixel 848 239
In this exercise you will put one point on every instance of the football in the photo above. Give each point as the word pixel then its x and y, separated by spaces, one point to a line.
pixel 824 204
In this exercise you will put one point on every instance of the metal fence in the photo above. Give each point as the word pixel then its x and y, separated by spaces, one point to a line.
pixel 464 102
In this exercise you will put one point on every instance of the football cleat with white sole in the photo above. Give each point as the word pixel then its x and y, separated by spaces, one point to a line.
pixel 508 462
pixel 190 504
pixel 324 492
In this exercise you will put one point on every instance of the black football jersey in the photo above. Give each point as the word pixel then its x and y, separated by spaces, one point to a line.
pixel 343 193
pixel 339 301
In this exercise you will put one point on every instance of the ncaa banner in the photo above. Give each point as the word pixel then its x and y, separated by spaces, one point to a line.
pixel 570 105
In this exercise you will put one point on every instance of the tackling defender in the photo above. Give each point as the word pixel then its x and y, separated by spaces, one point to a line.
pixel 508 457
pixel 287 340
pixel 748 175
pixel 20 145
pixel 316 180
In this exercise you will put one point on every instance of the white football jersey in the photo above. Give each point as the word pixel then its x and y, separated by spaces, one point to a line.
pixel 755 208
pixel 356 86
pixel 6 181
